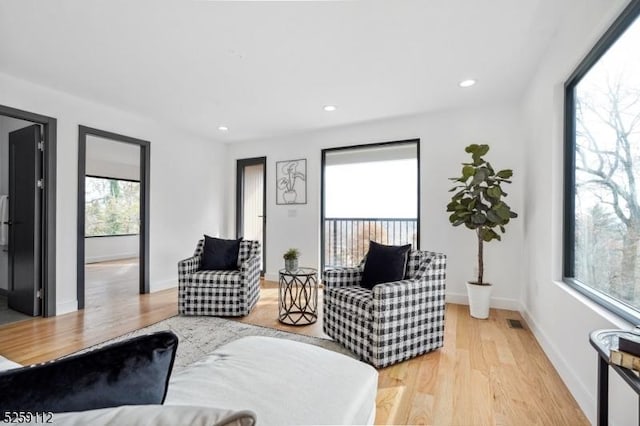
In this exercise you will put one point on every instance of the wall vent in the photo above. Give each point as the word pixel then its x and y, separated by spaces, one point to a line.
pixel 514 323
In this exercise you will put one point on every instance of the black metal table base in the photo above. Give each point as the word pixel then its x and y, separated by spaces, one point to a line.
pixel 298 297
pixel 603 341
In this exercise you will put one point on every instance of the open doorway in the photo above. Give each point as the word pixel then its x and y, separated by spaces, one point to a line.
pixel 27 215
pixel 251 203
pixel 113 185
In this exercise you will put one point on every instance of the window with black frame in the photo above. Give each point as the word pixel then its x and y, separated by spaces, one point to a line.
pixel 602 170
pixel 112 207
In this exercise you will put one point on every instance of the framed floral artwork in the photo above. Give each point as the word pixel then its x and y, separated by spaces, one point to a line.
pixel 291 182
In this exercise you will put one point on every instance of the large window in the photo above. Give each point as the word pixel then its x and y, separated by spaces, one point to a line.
pixel 370 192
pixel 602 197
pixel 112 207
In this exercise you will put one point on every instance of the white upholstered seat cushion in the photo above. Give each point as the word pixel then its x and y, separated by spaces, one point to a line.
pixel 282 381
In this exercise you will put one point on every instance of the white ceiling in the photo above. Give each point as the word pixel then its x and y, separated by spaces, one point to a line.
pixel 266 68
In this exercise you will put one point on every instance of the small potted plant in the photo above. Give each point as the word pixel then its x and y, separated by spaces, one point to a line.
pixel 478 204
pixel 291 259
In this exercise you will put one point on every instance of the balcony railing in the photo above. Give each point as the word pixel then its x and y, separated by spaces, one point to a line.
pixel 346 240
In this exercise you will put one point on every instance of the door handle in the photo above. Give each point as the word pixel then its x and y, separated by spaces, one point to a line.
pixel 9 223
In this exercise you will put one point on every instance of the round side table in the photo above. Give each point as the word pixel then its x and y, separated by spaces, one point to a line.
pixel 298 296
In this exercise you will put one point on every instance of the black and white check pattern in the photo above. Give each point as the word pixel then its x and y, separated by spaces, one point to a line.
pixel 220 293
pixel 394 321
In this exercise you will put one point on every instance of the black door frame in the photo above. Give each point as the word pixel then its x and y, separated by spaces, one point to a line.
pixel 369 145
pixel 240 164
pixel 48 216
pixel 145 159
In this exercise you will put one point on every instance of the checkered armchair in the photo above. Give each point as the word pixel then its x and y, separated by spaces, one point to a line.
pixel 220 293
pixel 393 322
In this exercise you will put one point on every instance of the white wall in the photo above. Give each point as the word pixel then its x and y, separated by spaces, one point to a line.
pixel 187 177
pixel 443 138
pixel 7 125
pixel 101 249
pixel 560 318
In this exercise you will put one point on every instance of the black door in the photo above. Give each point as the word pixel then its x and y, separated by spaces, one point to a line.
pixel 25 170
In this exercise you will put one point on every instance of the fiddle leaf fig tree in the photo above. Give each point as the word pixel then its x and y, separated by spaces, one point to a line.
pixel 478 200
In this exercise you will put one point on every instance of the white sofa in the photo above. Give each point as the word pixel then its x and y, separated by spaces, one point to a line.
pixel 256 380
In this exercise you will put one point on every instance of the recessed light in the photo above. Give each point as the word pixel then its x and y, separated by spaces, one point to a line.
pixel 467 83
pixel 223 128
pixel 329 108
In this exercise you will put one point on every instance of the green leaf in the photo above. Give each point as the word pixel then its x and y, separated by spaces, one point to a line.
pixel 505 174
pixel 478 152
pixel 471 149
pixel 493 217
pixel 502 210
pixel 488 234
pixel 472 204
pixel 480 176
pixel 494 192
pixel 478 218
pixel 482 149
pixel 467 172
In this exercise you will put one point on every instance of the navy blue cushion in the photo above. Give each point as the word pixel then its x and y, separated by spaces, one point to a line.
pixel 384 264
pixel 219 254
pixel 132 372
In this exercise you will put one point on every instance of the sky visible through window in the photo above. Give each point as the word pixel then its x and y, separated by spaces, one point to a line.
pixel 377 189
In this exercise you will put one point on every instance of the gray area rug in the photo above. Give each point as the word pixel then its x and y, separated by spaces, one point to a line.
pixel 199 336
pixel 7 316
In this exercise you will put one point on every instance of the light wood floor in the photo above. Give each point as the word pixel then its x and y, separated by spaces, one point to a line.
pixel 113 308
pixel 486 374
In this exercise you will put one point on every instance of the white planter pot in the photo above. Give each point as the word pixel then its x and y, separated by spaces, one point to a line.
pixel 479 300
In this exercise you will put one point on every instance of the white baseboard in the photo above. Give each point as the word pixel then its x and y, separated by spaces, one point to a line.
pixel 96 259
pixel 496 302
pixel 66 307
pixel 164 284
pixel 583 396
pixel 272 277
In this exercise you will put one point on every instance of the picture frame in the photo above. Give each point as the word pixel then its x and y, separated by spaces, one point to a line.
pixel 291 182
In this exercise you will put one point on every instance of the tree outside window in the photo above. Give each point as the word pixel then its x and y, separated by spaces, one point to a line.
pixel 606 119
pixel 112 207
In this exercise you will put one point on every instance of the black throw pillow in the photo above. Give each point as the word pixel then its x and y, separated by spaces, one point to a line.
pixel 384 264
pixel 132 372
pixel 219 254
